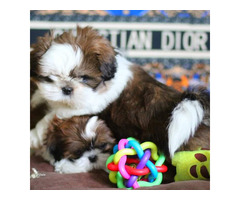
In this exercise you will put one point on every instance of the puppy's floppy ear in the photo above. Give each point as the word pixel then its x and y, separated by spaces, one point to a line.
pixel 54 146
pixel 108 64
pixel 96 46
pixel 108 69
pixel 37 50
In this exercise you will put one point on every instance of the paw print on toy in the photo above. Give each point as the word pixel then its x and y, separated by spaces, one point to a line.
pixel 192 165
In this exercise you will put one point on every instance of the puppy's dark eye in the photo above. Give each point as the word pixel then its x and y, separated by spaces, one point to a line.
pixel 102 146
pixel 90 81
pixel 78 153
pixel 85 78
pixel 45 78
pixel 71 159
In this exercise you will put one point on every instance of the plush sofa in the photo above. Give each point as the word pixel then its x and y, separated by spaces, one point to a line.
pixel 95 180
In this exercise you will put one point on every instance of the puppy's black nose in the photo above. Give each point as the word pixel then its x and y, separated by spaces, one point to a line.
pixel 67 90
pixel 92 158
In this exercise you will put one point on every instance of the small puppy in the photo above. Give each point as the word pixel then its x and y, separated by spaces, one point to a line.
pixel 82 74
pixel 77 144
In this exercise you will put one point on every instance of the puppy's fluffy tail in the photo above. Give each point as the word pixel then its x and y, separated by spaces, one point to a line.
pixel 191 111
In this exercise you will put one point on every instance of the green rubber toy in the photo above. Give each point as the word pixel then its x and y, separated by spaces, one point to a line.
pixel 192 165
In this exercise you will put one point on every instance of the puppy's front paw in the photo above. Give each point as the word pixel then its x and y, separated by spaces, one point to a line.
pixel 58 169
pixel 59 166
pixel 67 167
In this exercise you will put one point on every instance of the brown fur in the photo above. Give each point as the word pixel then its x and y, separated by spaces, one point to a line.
pixel 64 138
pixel 144 108
pixel 37 113
pixel 98 60
pixel 201 139
pixel 143 111
pixel 38 49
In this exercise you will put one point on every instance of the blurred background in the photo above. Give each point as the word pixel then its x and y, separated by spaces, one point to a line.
pixel 173 46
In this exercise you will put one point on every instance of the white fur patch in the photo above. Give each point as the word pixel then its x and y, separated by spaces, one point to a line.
pixel 57 63
pixel 90 129
pixel 84 100
pixel 60 59
pixel 185 119
pixel 87 101
pixel 37 133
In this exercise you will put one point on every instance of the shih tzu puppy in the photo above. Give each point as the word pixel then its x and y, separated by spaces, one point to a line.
pixel 82 74
pixel 77 144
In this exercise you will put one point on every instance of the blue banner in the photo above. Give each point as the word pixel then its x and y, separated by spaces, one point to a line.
pixel 127 12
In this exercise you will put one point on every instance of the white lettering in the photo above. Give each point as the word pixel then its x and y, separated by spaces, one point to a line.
pixel 170 40
pixel 178 41
pixel 200 41
pixel 141 41
pixel 167 40
pixel 133 40
pixel 113 39
pixel 188 41
pixel 145 40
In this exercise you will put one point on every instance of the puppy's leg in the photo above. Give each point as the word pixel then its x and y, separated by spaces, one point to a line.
pixel 37 134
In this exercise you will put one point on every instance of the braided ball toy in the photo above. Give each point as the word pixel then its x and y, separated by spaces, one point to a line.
pixel 140 171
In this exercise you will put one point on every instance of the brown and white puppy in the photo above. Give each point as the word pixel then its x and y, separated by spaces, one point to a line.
pixel 82 74
pixel 77 144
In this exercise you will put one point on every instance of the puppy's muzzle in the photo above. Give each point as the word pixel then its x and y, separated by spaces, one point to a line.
pixel 67 90
pixel 92 158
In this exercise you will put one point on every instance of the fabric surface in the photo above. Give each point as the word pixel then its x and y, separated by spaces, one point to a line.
pixel 95 180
